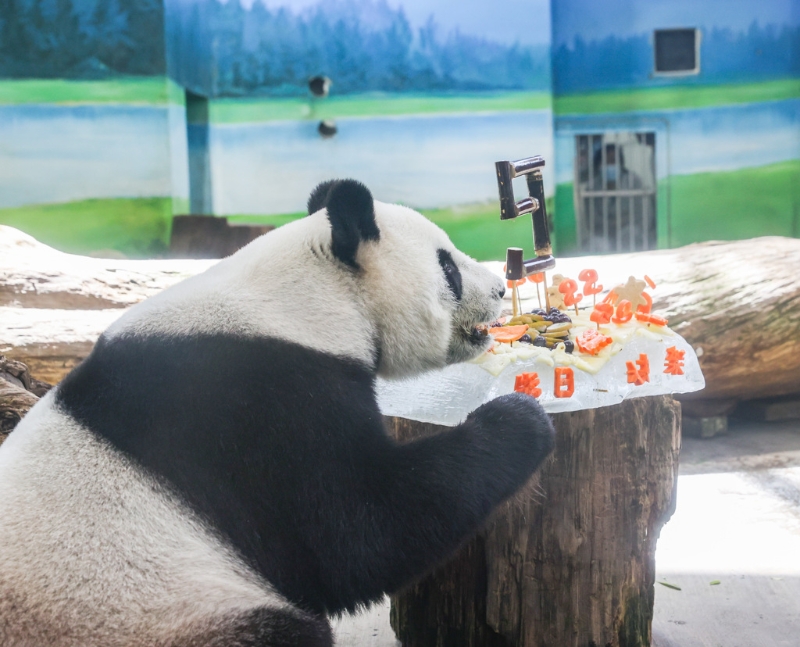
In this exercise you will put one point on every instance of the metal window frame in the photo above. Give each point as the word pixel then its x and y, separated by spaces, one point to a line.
pixel 698 36
pixel 586 215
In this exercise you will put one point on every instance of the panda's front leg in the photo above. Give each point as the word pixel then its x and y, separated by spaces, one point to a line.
pixel 437 491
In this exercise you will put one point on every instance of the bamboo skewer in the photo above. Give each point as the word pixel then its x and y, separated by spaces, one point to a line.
pixel 546 294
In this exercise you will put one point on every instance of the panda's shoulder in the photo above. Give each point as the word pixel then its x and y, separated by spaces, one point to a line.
pixel 157 397
pixel 174 368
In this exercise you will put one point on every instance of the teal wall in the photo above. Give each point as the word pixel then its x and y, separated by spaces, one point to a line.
pixel 727 138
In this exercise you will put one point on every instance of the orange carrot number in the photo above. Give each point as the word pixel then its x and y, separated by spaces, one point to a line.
pixel 647 307
pixel 589 277
pixel 602 313
pixel 567 287
pixel 528 383
pixel 564 383
pixel 624 312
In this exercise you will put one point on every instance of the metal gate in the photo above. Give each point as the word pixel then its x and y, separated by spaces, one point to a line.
pixel 615 191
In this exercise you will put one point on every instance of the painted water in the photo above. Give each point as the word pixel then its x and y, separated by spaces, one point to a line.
pixel 62 153
pixel 425 161
pixel 720 138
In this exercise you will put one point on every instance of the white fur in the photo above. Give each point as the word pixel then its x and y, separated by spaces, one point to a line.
pixel 420 324
pixel 93 552
pixel 287 285
pixel 155 571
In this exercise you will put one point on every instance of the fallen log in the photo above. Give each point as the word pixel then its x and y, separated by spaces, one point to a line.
pixel 19 391
pixel 15 402
pixel 33 275
pixel 737 303
pixel 53 306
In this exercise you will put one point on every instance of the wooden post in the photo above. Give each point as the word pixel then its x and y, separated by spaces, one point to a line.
pixel 568 562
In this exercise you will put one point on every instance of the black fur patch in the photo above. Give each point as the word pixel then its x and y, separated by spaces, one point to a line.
pixel 319 196
pixel 284 451
pixel 351 212
pixel 451 273
pixel 264 627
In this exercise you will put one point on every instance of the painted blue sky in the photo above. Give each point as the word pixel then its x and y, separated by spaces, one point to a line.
pixel 524 21
pixel 593 19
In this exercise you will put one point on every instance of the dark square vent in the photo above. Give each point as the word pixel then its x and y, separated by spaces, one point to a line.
pixel 677 51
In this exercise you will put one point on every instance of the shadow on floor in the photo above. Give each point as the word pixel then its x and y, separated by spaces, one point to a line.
pixel 737 522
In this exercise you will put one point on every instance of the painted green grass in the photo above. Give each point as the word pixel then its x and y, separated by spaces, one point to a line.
pixel 476 229
pixel 140 227
pixel 137 227
pixel 730 205
pixel 133 90
pixel 565 235
pixel 366 105
pixel 160 90
pixel 675 97
pixel 275 220
pixel 761 201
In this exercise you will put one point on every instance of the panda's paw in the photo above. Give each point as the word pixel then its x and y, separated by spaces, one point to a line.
pixel 267 627
pixel 515 422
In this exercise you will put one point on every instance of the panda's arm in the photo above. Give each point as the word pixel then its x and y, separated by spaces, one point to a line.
pixel 430 495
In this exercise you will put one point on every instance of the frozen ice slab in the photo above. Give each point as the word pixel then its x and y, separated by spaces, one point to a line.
pixel 446 396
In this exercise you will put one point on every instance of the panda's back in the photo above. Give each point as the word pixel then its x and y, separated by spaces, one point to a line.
pixel 266 440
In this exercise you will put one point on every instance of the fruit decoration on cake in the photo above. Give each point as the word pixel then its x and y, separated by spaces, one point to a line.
pixel 573 345
pixel 590 335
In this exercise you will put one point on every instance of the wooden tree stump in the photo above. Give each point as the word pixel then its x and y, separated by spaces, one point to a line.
pixel 569 561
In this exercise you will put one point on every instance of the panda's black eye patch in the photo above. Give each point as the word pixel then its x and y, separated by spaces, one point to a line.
pixel 451 273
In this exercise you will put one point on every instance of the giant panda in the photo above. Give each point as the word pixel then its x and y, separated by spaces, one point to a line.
pixel 217 471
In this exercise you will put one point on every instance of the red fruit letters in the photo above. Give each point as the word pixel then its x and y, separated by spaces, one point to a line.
pixel 639 371
pixel 528 383
pixel 564 385
pixel 673 364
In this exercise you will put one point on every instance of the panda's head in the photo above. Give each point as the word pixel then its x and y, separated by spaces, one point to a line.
pixel 427 301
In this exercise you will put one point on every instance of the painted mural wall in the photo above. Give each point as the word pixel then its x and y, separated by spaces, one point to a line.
pixel 117 114
pixel 90 152
pixel 726 151
pixel 426 95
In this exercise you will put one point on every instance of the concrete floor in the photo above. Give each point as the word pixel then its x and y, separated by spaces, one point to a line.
pixel 737 523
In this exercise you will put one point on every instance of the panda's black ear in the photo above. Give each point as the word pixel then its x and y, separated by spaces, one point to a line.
pixel 319 196
pixel 351 212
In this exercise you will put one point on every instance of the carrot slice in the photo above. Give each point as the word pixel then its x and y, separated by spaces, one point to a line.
pixel 653 319
pixel 508 333
pixel 592 342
